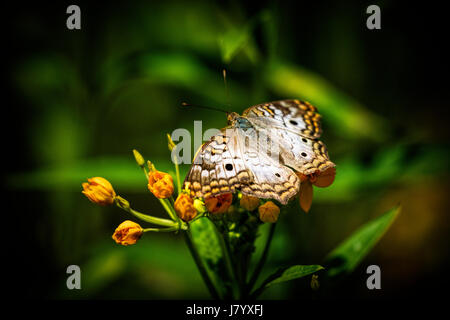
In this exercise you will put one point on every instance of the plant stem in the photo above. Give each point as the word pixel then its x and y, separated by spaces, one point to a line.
pixel 170 229
pixel 200 266
pixel 262 261
pixel 124 204
pixel 172 149
pixel 237 266
pixel 151 219
pixel 177 171
pixel 224 245
pixel 169 209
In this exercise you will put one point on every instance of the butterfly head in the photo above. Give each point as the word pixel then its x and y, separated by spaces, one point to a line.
pixel 235 120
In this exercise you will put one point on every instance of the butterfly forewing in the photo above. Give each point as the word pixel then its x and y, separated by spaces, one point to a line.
pixel 290 115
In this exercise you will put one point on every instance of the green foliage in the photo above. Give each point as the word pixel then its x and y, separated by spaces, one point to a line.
pixel 207 243
pixel 291 273
pixel 102 270
pixel 350 252
pixel 286 274
pixel 206 240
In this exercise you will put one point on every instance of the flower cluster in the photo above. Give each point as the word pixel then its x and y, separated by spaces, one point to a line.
pixel 185 209
pixel 232 223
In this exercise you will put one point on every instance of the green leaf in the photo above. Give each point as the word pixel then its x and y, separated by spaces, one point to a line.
pixel 208 246
pixel 232 41
pixel 287 274
pixel 239 38
pixel 205 240
pixel 291 273
pixel 346 257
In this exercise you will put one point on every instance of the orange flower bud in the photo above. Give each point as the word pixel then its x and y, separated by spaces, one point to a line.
pixel 219 204
pixel 302 176
pixel 306 195
pixel 249 203
pixel 99 190
pixel 160 184
pixel 325 178
pixel 319 179
pixel 127 233
pixel 184 206
pixel 269 212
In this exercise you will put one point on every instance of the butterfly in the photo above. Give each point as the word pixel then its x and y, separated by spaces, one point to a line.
pixel 262 153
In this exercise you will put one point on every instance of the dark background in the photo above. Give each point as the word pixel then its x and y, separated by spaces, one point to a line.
pixel 78 102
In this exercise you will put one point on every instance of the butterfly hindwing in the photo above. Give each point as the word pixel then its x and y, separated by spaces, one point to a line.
pixel 296 126
pixel 304 155
pixel 270 178
pixel 225 164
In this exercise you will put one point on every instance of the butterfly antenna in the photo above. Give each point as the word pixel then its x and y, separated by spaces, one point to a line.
pixel 227 95
pixel 185 104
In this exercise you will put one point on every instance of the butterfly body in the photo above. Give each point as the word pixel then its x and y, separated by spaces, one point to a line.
pixel 261 153
pixel 238 121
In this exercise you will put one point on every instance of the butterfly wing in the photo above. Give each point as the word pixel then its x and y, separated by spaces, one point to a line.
pixel 304 155
pixel 232 161
pixel 290 115
pixel 295 127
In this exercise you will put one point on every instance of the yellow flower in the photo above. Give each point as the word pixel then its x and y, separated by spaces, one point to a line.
pixel 160 184
pixel 219 204
pixel 184 206
pixel 199 205
pixel 99 190
pixel 170 142
pixel 319 179
pixel 269 212
pixel 139 158
pixel 127 233
pixel 249 203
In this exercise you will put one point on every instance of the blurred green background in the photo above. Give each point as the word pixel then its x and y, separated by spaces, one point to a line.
pixel 80 101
